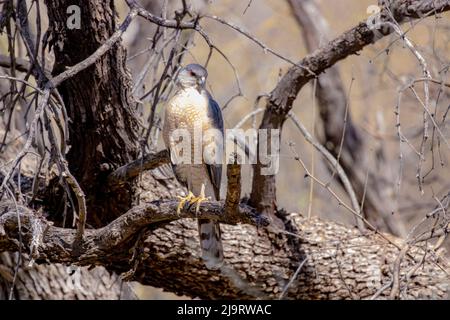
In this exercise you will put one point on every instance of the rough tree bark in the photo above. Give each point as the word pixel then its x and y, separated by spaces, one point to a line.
pixel 98 100
pixel 341 263
pixel 56 281
pixel 355 156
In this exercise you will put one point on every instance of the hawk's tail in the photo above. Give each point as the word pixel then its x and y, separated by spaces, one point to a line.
pixel 210 243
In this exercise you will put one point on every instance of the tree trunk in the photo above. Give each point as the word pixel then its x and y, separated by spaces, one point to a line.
pixel 98 101
pixel 102 134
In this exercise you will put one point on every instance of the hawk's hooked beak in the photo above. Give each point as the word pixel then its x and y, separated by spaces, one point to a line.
pixel 201 84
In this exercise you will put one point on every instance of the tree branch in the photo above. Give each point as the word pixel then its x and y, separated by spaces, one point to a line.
pixel 133 169
pixel 110 236
pixel 258 263
pixel 174 24
pixel 279 104
pixel 72 71
pixel 233 188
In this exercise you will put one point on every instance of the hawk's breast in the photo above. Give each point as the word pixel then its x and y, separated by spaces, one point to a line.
pixel 188 109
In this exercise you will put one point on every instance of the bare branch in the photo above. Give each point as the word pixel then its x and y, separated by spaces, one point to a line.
pixel 133 169
pixel 333 162
pixel 233 188
pixel 258 42
pixel 124 227
pixel 263 195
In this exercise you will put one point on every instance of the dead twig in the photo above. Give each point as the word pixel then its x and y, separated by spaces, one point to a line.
pixel 395 291
pixel 133 169
pixel 233 187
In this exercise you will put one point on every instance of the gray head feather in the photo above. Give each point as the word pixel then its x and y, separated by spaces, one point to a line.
pixel 192 75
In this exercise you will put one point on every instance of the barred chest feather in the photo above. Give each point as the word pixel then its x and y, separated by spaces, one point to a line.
pixel 187 109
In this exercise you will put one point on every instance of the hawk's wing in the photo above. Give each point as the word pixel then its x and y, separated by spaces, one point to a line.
pixel 215 170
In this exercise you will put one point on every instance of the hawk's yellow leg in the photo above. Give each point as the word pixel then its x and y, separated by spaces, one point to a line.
pixel 191 199
pixel 198 200
pixel 183 200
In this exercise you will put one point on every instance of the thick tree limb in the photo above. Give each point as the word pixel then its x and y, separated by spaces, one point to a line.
pixel 259 263
pixel 263 195
pixel 105 239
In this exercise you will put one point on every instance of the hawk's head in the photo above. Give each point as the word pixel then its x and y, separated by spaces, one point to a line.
pixel 192 75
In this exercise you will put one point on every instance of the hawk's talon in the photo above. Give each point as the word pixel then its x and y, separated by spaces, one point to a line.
pixel 201 198
pixel 199 201
pixel 192 199
pixel 183 201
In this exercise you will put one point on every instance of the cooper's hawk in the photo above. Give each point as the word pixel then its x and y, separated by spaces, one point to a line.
pixel 193 109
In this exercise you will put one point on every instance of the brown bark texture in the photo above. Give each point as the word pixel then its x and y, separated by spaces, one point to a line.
pixel 103 127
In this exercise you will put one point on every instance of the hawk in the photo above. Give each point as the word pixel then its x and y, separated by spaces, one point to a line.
pixel 192 108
